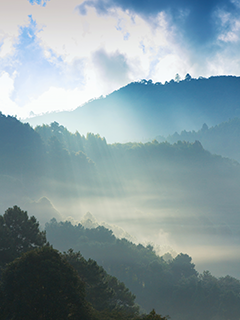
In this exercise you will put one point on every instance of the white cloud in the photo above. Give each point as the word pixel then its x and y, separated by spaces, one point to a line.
pixel 229 26
pixel 55 99
pixel 73 44
pixel 6 48
pixel 94 54
pixel 112 68
pixel 6 87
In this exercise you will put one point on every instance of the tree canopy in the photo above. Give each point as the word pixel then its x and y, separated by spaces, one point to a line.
pixel 18 234
pixel 42 285
pixel 103 291
pixel 172 287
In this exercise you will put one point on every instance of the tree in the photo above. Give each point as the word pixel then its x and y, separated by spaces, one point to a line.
pixel 188 77
pixel 153 316
pixel 123 299
pixel 42 285
pixel 177 77
pixel 182 266
pixel 98 293
pixel 103 291
pixel 18 234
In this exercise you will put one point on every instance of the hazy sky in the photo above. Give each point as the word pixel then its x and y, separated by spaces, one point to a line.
pixel 57 54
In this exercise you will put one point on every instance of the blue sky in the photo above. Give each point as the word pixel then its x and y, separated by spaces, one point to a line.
pixel 57 54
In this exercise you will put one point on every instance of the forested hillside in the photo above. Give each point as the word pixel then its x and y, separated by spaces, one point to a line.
pixel 37 281
pixel 21 148
pixel 221 139
pixel 176 195
pixel 120 160
pixel 169 285
pixel 142 110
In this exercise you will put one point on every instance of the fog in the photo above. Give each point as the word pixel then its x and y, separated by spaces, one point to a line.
pixel 189 208
pixel 212 242
pixel 177 197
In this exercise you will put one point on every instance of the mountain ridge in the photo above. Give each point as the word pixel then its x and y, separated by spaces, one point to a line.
pixel 143 110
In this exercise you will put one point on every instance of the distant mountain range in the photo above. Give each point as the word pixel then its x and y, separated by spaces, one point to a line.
pixel 220 139
pixel 142 110
pixel 179 195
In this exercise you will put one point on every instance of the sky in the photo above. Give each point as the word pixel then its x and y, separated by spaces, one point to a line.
pixel 58 54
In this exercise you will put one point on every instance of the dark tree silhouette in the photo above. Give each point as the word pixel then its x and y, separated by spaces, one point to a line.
pixel 42 285
pixel 18 234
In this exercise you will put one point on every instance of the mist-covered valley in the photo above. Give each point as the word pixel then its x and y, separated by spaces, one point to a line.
pixel 166 209
pixel 119 160
pixel 177 196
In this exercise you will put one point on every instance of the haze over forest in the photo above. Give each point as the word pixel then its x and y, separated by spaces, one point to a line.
pixel 179 197
pixel 119 132
pixel 142 110
pixel 176 198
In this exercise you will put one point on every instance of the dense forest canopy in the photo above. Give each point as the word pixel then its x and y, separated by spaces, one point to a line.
pixel 43 283
pixel 39 282
pixel 169 285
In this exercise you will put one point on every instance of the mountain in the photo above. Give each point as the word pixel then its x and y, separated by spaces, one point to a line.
pixel 21 161
pixel 43 208
pixel 142 110
pixel 176 195
pixel 170 285
pixel 220 139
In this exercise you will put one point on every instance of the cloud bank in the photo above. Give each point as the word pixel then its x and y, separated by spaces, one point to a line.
pixel 199 20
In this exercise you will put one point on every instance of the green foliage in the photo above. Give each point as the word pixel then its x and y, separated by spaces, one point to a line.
pixel 51 154
pixel 71 142
pixel 18 234
pixel 42 285
pixel 21 148
pixel 102 290
pixel 72 153
pixel 119 315
pixel 134 265
pixel 46 278
pixel 98 292
pixel 220 139
pixel 153 316
pixel 171 287
pixel 122 298
pixel 65 157
pixel 174 287
pixel 182 266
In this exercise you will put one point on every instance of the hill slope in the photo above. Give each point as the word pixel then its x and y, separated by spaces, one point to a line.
pixel 176 195
pixel 171 287
pixel 220 139
pixel 143 110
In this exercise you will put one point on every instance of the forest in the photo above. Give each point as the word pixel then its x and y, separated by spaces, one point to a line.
pixel 220 139
pixel 141 110
pixel 39 282
pixel 147 199
pixel 170 285
pixel 120 160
